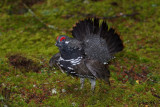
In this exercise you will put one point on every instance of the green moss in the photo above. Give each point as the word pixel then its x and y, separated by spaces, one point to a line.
pixel 24 34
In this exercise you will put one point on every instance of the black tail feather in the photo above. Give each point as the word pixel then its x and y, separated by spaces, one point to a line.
pixel 82 29
pixel 113 41
pixel 96 26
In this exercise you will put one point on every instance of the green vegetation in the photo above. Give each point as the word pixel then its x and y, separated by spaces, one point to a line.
pixel 27 43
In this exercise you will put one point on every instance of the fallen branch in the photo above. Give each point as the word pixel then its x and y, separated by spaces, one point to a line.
pixel 108 17
pixel 112 17
pixel 41 21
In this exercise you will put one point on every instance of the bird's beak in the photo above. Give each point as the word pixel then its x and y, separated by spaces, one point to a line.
pixel 58 44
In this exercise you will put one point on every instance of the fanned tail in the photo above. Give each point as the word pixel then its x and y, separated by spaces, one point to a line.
pixel 89 28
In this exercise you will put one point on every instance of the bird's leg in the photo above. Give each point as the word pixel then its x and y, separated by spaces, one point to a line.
pixel 82 82
pixel 93 83
pixel 107 80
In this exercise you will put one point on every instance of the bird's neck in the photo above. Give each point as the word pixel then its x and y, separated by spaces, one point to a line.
pixel 70 53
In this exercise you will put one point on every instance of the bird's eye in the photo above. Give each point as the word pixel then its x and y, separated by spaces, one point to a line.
pixel 62 38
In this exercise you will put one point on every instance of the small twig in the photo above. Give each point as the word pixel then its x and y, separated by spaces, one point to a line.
pixel 111 17
pixel 156 95
pixel 41 21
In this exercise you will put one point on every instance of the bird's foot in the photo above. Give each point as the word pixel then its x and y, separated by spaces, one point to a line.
pixel 93 83
pixel 82 82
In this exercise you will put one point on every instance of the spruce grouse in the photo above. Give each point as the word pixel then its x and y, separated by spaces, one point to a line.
pixel 87 54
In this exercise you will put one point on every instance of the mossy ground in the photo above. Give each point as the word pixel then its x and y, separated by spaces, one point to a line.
pixel 135 73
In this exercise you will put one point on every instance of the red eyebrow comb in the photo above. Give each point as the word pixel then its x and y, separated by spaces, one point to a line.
pixel 62 38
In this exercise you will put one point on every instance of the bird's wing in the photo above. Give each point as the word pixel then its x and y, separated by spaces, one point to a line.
pixel 92 69
pixel 98 69
pixel 53 60
pixel 100 43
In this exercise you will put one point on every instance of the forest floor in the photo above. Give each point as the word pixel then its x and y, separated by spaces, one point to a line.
pixel 28 31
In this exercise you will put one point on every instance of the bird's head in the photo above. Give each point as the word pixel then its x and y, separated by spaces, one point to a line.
pixel 62 41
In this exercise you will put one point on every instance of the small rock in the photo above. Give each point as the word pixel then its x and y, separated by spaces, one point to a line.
pixel 76 89
pixel 3 85
pixel 51 26
pixel 5 106
pixel 73 103
pixel 63 90
pixel 54 91
pixel 154 5
pixel 120 13
pixel 86 2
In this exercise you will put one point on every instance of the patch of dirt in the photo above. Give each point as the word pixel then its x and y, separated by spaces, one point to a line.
pixel 138 77
pixel 21 62
pixel 132 76
pixel 114 4
pixel 34 96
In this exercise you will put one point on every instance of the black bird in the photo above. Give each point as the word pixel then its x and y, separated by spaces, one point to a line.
pixel 87 54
